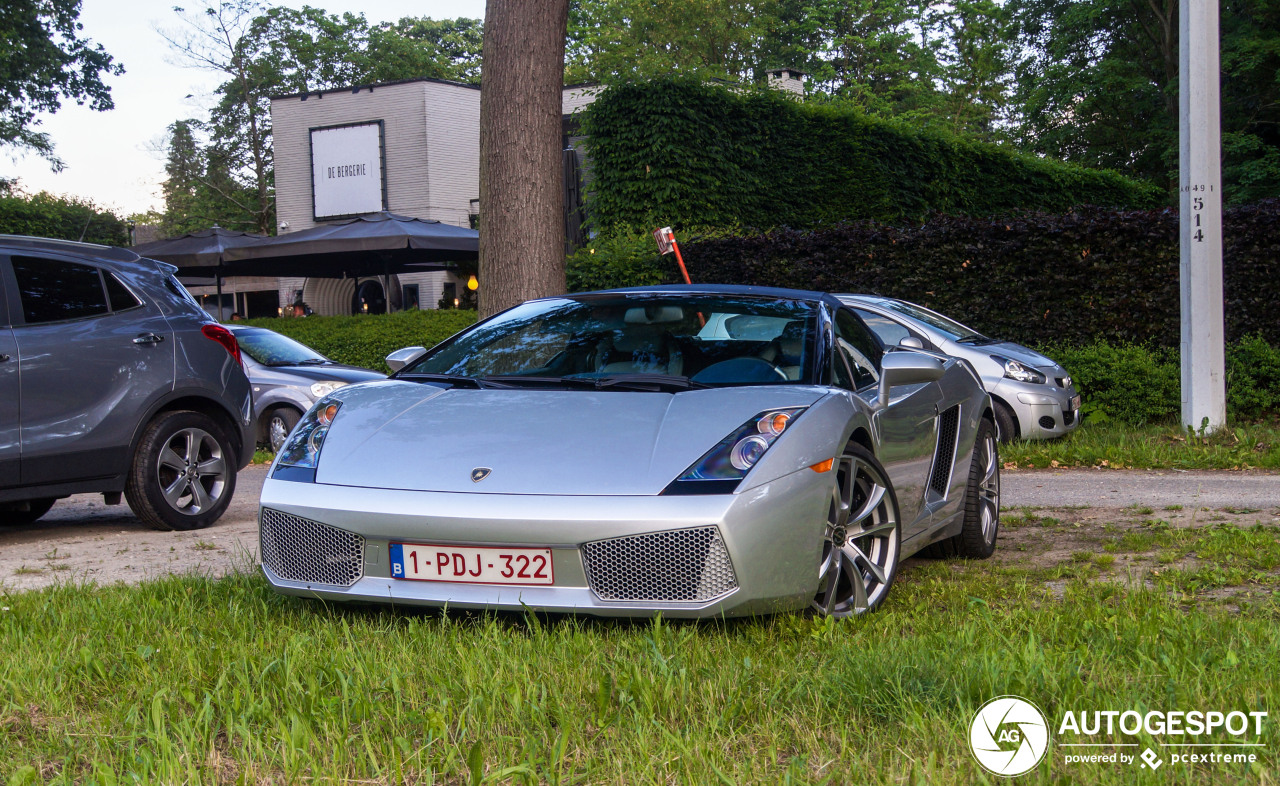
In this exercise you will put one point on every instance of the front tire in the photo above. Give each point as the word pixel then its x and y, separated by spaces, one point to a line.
pixel 280 421
pixel 862 540
pixel 1006 421
pixel 977 536
pixel 183 473
pixel 15 514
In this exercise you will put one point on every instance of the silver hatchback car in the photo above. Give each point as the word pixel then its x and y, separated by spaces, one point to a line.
pixel 1034 397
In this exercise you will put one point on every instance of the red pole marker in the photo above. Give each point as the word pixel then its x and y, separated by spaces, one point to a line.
pixel 666 244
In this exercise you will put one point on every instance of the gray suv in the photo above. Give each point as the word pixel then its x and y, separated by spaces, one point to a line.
pixel 113 380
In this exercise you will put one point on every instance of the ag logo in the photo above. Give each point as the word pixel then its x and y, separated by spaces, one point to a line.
pixel 479 473
pixel 1009 735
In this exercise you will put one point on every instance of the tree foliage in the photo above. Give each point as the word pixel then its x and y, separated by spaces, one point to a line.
pixel 261 51
pixel 63 218
pixel 44 60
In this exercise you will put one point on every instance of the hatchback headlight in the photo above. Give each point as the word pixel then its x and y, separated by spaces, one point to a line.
pixel 1019 371
pixel 320 389
pixel 301 452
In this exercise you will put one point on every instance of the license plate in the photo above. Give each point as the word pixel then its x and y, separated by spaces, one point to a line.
pixel 470 565
pixel 1075 402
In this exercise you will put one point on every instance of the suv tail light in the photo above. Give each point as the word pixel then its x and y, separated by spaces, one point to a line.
pixel 223 336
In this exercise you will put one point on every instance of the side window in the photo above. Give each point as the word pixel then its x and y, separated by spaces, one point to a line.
pixel 859 348
pixel 52 290
pixel 118 294
pixel 888 331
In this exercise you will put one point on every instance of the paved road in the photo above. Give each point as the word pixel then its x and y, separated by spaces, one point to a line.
pixel 1118 488
pixel 83 540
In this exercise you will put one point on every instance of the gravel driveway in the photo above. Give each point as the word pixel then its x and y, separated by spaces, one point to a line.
pixel 83 540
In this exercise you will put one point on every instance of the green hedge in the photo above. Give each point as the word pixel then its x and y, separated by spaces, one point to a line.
pixel 1031 277
pixel 46 215
pixel 696 155
pixel 1136 385
pixel 366 340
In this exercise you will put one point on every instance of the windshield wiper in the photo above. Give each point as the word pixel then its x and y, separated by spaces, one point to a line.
pixel 456 379
pixel 977 340
pixel 312 362
pixel 646 382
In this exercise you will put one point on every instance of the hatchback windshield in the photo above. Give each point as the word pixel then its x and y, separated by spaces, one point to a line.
pixel 272 349
pixel 955 330
pixel 702 339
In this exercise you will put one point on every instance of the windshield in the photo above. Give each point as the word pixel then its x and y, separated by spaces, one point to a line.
pixel 954 330
pixel 704 339
pixel 272 349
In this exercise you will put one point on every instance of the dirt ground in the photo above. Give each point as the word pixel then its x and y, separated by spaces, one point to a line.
pixel 82 539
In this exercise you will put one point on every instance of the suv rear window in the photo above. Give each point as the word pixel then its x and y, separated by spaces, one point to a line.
pixel 53 290
pixel 120 296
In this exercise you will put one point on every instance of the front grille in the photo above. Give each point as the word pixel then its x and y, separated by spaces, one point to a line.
pixel 299 549
pixel 683 565
pixel 944 457
pixel 1047 422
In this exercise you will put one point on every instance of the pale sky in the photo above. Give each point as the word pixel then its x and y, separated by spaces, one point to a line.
pixel 109 155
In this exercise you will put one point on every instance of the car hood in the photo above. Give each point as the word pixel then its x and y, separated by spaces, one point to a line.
pixel 421 437
pixel 1007 349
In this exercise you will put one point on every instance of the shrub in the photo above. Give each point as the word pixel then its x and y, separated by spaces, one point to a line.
pixel 625 260
pixel 693 155
pixel 1129 383
pixel 1253 378
pixel 364 340
pixel 63 218
pixel 1031 277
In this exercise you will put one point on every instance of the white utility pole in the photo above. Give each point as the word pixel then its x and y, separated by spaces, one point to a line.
pixel 1204 394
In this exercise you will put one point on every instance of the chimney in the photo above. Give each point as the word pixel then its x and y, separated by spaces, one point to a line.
pixel 789 80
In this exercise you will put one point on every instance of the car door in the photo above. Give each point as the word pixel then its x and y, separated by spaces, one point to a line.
pixel 10 403
pixel 93 354
pixel 907 427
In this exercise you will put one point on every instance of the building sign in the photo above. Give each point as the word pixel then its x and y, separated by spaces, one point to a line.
pixel 347 170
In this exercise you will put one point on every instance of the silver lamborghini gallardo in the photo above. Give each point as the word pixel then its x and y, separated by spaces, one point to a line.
pixel 698 451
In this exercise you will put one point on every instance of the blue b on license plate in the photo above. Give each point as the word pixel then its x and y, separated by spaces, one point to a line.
pixel 470 564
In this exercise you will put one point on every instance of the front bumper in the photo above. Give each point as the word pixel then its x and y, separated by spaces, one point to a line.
pixel 1043 411
pixel 772 535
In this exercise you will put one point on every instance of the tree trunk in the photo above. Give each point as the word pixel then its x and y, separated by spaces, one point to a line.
pixel 521 206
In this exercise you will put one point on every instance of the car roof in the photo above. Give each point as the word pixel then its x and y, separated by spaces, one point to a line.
pixel 873 300
pixel 716 289
pixel 98 252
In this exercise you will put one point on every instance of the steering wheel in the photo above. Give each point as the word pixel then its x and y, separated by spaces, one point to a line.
pixel 743 369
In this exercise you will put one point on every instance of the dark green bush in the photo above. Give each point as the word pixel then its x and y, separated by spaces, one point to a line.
pixel 365 340
pixel 63 218
pixel 673 152
pixel 1253 379
pixel 1072 278
pixel 626 260
pixel 1129 383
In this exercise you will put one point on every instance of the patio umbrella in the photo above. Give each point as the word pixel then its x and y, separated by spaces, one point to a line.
pixel 198 253
pixel 373 244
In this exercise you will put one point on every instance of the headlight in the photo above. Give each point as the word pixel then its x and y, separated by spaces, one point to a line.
pixel 1019 371
pixel 301 453
pixel 321 389
pixel 720 469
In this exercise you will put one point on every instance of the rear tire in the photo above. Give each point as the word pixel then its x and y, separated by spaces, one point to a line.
pixel 183 473
pixel 15 514
pixel 977 536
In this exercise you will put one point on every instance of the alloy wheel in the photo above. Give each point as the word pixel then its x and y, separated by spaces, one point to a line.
pixel 192 471
pixel 277 432
pixel 860 544
pixel 989 487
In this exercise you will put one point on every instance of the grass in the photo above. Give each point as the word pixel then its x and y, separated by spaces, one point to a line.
pixel 1111 445
pixel 222 681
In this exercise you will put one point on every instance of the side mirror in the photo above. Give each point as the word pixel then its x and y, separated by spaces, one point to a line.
pixel 911 342
pixel 401 357
pixel 906 368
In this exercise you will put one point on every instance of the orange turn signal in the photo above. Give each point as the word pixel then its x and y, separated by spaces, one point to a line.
pixel 823 466
pixel 328 414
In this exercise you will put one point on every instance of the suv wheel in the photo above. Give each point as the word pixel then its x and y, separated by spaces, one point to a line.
pixel 183 473
pixel 13 514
